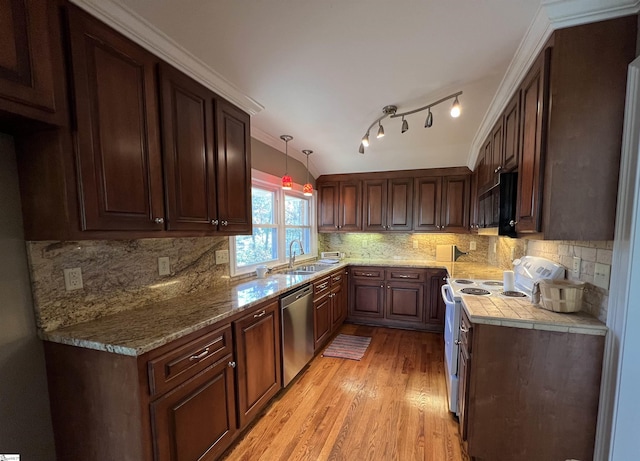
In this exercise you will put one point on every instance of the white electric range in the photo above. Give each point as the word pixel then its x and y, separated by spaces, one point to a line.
pixel 527 272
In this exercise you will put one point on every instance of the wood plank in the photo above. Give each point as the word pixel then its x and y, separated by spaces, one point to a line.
pixel 391 405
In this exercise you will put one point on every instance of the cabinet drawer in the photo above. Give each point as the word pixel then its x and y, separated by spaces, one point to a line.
pixel 370 273
pixel 179 364
pixel 337 277
pixel 321 287
pixel 407 275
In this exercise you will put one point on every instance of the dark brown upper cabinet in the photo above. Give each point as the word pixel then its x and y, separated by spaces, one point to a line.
pixel 428 203
pixel 117 136
pixel 339 205
pixel 188 152
pixel 511 122
pixel 32 84
pixel 388 204
pixel 442 203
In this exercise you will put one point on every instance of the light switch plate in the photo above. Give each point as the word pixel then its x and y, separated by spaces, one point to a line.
pixel 415 244
pixel 575 270
pixel 601 276
pixel 222 256
pixel 472 245
pixel 164 266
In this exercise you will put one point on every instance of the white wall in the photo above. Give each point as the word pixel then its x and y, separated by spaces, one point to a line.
pixel 25 422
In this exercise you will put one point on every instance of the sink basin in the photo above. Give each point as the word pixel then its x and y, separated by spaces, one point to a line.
pixel 299 272
pixel 308 269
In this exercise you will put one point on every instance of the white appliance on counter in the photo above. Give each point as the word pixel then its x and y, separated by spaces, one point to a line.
pixel 527 271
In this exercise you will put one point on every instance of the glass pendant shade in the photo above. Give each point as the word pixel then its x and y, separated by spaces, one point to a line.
pixel 307 189
pixel 287 182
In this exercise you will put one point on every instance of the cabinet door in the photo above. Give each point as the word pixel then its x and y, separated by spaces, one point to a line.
pixel 455 204
pixel 118 150
pixel 474 210
pixel 257 337
pixel 405 301
pixel 375 204
pixel 435 304
pixel 428 203
pixel 485 165
pixel 497 152
pixel 338 305
pixel 463 390
pixel 321 320
pixel 197 420
pixel 511 134
pixel 350 209
pixel 534 96
pixel 30 56
pixel 328 204
pixel 400 204
pixel 188 152
pixel 367 299
pixel 233 169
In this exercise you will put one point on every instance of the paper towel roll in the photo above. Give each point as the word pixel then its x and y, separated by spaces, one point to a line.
pixel 509 281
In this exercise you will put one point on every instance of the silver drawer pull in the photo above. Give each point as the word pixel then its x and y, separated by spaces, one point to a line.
pixel 402 276
pixel 323 286
pixel 336 279
pixel 232 364
pixel 199 356
pixel 463 329
pixel 457 342
pixel 369 274
pixel 261 314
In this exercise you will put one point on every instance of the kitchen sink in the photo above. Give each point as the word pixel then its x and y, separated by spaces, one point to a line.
pixel 298 272
pixel 308 269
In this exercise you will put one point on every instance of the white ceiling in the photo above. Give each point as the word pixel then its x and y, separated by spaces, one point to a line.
pixel 323 70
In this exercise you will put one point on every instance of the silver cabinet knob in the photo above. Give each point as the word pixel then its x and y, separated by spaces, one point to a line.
pixel 498 169
pixel 159 220
pixel 444 279
pixel 513 223
pixel 225 223
pixel 457 342
pixel 232 364
pixel 214 222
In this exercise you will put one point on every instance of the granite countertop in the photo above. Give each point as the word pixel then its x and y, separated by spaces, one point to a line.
pixel 521 313
pixel 136 331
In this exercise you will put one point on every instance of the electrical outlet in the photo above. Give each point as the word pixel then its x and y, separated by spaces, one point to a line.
pixel 164 266
pixel 73 279
pixel 472 245
pixel 415 244
pixel 601 277
pixel 222 256
pixel 513 254
pixel 575 270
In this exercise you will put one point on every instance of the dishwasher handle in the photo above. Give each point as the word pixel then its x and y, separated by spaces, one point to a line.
pixel 295 295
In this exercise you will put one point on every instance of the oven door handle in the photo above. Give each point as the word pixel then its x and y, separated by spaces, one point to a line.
pixel 446 294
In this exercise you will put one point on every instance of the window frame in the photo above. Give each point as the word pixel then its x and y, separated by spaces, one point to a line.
pixel 272 183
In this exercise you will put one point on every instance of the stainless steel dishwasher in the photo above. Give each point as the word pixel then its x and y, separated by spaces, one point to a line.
pixel 297 331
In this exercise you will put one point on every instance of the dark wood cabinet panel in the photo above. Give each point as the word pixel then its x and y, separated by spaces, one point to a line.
pixel 534 92
pixel 497 154
pixel 233 169
pixel 196 421
pixel 188 152
pixel 340 206
pixel 118 148
pixel 463 393
pixel 321 320
pixel 511 122
pixel 388 204
pixel 32 83
pixel 455 203
pixel 339 290
pixel 404 301
pixel 366 299
pixel 428 203
pixel 435 303
pixel 257 339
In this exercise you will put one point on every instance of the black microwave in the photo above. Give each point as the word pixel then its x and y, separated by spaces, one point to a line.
pixel 497 207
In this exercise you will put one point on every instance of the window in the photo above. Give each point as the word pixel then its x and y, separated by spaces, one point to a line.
pixel 279 217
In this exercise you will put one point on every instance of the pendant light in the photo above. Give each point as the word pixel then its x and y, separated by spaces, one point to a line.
pixel 307 189
pixel 287 182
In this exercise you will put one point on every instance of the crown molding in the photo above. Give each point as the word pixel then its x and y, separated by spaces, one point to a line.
pixel 552 15
pixel 137 29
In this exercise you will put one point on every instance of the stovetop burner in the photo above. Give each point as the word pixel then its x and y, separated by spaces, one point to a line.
pixel 514 294
pixel 463 282
pixel 493 283
pixel 474 291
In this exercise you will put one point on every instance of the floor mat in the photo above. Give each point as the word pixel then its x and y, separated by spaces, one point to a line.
pixel 347 347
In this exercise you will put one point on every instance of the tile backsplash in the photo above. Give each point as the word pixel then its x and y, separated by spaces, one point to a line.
pixel 118 275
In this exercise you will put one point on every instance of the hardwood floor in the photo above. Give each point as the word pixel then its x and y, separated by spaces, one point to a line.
pixel 391 405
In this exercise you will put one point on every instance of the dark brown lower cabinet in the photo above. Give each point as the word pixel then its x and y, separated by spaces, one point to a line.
pixel 329 306
pixel 257 340
pixel 529 394
pixel 397 297
pixel 197 420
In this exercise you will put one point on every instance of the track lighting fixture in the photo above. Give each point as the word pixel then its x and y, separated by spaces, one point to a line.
pixel 287 182
pixel 428 123
pixel 307 189
pixel 391 112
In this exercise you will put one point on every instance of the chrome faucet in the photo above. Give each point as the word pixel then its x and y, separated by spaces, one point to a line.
pixel 292 255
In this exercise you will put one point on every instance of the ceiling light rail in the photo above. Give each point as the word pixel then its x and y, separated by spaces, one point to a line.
pixel 391 111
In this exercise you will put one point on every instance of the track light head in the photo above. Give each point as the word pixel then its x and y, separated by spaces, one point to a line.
pixel 365 140
pixel 428 123
pixel 405 125
pixel 380 131
pixel 455 109
pixel 361 149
